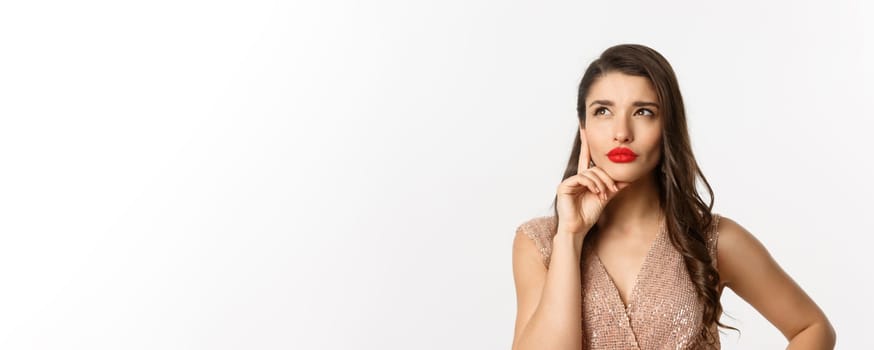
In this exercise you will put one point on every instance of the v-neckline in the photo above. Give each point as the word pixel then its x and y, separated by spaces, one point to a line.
pixel 626 305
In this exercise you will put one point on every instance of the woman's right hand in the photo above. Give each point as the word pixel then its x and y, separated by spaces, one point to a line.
pixel 582 197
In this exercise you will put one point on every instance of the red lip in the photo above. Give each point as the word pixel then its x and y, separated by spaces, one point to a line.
pixel 621 155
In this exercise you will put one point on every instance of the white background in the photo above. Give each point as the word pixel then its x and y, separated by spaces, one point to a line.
pixel 350 174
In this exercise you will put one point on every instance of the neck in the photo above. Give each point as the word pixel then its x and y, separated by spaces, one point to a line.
pixel 635 207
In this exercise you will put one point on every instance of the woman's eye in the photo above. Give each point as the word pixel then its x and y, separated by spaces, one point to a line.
pixel 600 111
pixel 650 113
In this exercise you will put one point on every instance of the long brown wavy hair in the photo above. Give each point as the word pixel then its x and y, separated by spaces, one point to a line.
pixel 687 216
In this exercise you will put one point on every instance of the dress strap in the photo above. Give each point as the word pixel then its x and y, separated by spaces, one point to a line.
pixel 713 238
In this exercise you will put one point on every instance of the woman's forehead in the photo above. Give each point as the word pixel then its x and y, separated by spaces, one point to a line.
pixel 622 89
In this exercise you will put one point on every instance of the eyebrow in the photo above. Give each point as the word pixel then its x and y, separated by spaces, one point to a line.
pixel 635 103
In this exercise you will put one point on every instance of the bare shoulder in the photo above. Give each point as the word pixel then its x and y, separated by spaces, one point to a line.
pixel 737 247
pixel 730 230
pixel 732 235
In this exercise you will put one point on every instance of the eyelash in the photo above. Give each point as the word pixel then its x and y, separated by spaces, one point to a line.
pixel 597 110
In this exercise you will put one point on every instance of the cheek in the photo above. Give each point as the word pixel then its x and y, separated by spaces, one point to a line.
pixel 657 151
pixel 654 147
pixel 595 142
pixel 655 140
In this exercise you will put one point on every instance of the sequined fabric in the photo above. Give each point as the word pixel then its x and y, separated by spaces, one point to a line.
pixel 663 310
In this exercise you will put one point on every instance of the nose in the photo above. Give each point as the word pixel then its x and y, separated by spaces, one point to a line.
pixel 621 133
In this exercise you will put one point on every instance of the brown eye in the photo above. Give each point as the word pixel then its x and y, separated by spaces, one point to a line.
pixel 651 114
pixel 599 110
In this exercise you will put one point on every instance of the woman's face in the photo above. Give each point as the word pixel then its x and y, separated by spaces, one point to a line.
pixel 622 111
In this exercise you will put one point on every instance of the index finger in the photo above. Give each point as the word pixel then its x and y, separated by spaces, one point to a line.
pixel 583 163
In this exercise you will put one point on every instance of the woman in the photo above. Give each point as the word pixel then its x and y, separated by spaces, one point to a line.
pixel 631 243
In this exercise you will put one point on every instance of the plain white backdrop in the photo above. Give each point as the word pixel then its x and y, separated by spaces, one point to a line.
pixel 350 174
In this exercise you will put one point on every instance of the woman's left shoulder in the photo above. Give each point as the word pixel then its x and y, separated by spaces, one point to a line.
pixel 736 242
pixel 730 231
pixel 738 248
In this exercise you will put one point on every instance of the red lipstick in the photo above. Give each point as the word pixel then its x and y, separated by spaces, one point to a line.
pixel 621 155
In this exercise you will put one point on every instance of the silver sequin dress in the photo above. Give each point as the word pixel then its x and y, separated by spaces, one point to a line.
pixel 663 310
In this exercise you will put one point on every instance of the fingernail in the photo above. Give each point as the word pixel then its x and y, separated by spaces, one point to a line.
pixel 615 188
